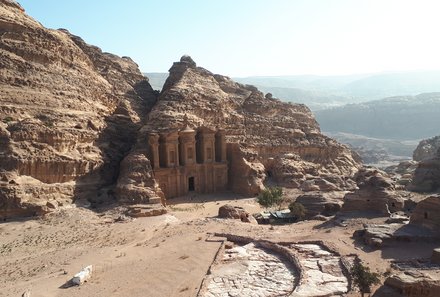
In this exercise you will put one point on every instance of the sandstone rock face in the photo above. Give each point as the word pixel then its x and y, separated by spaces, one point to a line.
pixel 74 122
pixel 246 174
pixel 234 212
pixel 136 183
pixel 69 114
pixel 427 175
pixel 427 149
pixel 375 194
pixel 230 212
pixel 427 213
pixel 265 132
pixel 414 284
pixel 317 203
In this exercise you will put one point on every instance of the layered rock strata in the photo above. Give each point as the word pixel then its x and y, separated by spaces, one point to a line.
pixel 376 194
pixel 316 203
pixel 412 284
pixel 266 137
pixel 69 114
pixel 75 123
pixel 426 177
pixel 427 213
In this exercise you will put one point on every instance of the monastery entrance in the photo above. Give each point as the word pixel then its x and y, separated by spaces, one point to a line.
pixel 191 186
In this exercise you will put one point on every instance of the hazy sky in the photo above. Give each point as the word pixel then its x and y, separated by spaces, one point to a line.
pixel 257 37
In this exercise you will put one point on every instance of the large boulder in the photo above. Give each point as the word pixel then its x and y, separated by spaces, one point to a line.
pixel 414 284
pixel 376 194
pixel 228 211
pixel 317 203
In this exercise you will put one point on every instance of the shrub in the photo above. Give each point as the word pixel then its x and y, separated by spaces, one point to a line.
pixel 7 120
pixel 298 210
pixel 363 278
pixel 270 197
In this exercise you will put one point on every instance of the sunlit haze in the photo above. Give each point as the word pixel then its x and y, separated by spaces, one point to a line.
pixel 256 37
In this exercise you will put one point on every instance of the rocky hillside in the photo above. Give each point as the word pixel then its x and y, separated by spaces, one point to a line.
pixel 74 122
pixel 69 113
pixel 397 118
pixel 266 136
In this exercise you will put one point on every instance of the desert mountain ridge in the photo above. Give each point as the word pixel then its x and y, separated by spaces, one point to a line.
pixel 398 118
pixel 76 120
pixel 321 92
pixel 109 187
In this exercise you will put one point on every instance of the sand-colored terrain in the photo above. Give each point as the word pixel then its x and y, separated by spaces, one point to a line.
pixel 168 255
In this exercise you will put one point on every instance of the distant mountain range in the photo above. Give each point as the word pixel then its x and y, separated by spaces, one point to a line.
pixel 398 118
pixel 321 92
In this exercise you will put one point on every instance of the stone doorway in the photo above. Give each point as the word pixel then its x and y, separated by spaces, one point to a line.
pixel 191 185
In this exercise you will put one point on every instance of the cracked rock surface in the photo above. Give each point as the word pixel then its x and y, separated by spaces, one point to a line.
pixel 323 274
pixel 250 271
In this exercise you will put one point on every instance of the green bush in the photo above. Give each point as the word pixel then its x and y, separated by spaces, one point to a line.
pixel 7 120
pixel 298 210
pixel 363 278
pixel 270 197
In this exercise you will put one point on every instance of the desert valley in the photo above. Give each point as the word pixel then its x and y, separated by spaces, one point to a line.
pixel 204 186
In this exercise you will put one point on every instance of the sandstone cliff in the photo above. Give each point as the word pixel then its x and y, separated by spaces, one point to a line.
pixel 69 115
pixel 74 123
pixel 426 177
pixel 273 138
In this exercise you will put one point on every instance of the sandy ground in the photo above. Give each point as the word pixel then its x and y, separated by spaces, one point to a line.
pixel 166 255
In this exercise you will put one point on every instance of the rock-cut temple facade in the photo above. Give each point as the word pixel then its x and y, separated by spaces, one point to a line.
pixel 189 161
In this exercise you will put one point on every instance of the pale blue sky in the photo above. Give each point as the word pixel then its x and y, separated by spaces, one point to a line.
pixel 257 37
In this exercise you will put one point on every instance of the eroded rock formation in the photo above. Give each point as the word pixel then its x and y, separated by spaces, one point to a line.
pixel 75 123
pixel 266 136
pixel 427 175
pixel 412 284
pixel 427 213
pixel 69 115
pixel 376 193
pixel 316 203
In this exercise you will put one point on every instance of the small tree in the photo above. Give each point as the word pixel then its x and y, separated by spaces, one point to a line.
pixel 298 210
pixel 363 278
pixel 270 197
